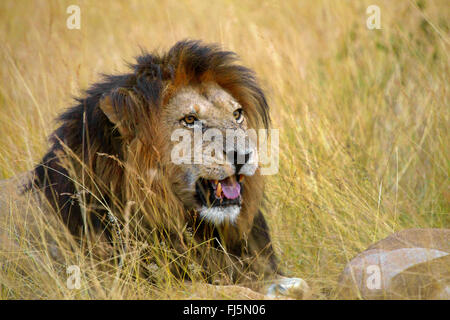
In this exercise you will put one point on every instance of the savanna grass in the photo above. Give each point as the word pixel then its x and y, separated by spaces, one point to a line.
pixel 363 118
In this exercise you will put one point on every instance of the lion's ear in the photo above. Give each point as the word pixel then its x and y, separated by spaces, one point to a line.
pixel 113 114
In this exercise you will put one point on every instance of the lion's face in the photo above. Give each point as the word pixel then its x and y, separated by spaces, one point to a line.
pixel 218 153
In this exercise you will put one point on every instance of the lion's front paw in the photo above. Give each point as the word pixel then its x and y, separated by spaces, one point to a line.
pixel 289 288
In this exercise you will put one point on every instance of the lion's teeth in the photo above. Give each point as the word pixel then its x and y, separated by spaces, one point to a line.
pixel 219 190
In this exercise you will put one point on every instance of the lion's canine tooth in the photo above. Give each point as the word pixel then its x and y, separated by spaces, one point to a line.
pixel 218 190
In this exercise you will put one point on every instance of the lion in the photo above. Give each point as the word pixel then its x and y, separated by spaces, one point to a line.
pixel 110 165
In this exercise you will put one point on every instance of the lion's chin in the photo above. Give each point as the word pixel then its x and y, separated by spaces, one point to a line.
pixel 219 201
pixel 220 214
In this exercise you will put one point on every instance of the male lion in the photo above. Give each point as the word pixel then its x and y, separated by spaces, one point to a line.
pixel 111 164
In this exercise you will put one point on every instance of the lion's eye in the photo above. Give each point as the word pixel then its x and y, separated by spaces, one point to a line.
pixel 189 120
pixel 238 115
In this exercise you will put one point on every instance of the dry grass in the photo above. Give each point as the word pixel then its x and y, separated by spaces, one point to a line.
pixel 363 118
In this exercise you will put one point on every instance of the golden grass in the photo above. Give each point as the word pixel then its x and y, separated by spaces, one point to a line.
pixel 363 118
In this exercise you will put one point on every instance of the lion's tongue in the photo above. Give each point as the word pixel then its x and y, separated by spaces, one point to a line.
pixel 231 188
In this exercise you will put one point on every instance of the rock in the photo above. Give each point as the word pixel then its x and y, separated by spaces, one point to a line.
pixel 411 264
pixel 295 288
pixel 203 291
pixel 281 289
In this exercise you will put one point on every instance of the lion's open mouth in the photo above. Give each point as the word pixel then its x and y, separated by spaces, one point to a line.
pixel 215 193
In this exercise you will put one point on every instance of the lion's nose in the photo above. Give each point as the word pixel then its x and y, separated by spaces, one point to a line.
pixel 238 159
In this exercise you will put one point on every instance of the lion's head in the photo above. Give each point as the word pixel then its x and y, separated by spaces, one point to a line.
pixel 205 117
pixel 129 125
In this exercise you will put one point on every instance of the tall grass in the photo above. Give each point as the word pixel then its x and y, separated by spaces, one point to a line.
pixel 363 118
